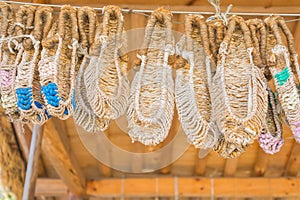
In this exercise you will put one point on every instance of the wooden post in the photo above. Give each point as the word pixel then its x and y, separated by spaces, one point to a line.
pixel 32 165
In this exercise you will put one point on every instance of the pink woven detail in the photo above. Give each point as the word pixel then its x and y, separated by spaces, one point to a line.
pixel 296 131
pixel 6 77
pixel 269 143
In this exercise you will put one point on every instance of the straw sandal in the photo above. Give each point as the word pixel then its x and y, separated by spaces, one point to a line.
pixel 84 115
pixel 12 53
pixel 58 64
pixel 30 101
pixel 279 64
pixel 239 91
pixel 106 75
pixel 151 108
pixel 270 139
pixel 193 79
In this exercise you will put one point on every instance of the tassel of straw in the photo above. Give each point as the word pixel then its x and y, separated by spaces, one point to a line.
pixel 192 83
pixel 239 92
pixel 108 73
pixel 151 106
pixel 30 101
pixel 58 64
pixel 84 115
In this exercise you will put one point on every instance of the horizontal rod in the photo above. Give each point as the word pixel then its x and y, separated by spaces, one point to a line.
pixel 127 10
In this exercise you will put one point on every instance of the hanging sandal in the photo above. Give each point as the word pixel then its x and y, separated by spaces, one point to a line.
pixel 30 101
pixel 106 75
pixel 58 64
pixel 193 79
pixel 12 53
pixel 151 108
pixel 239 91
pixel 84 115
pixel 270 139
pixel 279 64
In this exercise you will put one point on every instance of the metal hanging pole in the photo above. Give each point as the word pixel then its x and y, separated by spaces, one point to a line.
pixel 33 160
pixel 174 12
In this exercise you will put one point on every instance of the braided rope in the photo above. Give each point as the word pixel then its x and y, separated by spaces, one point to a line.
pixel 151 106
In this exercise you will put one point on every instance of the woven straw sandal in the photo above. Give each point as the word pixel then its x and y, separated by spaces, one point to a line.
pixel 270 139
pixel 12 53
pixel 239 91
pixel 84 115
pixel 107 73
pixel 8 62
pixel 279 64
pixel 30 101
pixel 151 108
pixel 193 79
pixel 58 64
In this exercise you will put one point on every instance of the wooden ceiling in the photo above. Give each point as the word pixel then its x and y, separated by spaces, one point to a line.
pixel 66 162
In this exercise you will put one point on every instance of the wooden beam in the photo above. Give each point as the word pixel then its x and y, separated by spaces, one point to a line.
pixel 187 187
pixel 230 166
pixel 293 164
pixel 200 165
pixel 261 163
pixel 32 165
pixel 50 187
pixel 105 170
pixel 56 146
pixel 23 135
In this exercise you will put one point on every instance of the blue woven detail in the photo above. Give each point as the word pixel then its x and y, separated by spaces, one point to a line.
pixel 38 105
pixel 51 94
pixel 48 115
pixel 24 98
pixel 73 100
pixel 283 76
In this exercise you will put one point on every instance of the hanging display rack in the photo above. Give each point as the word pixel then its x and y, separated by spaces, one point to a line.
pixel 128 10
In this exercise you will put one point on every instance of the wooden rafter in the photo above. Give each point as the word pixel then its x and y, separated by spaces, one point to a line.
pixel 187 187
pixel 56 146
pixel 23 135
pixel 200 165
pixel 230 166
pixel 293 164
pixel 261 163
